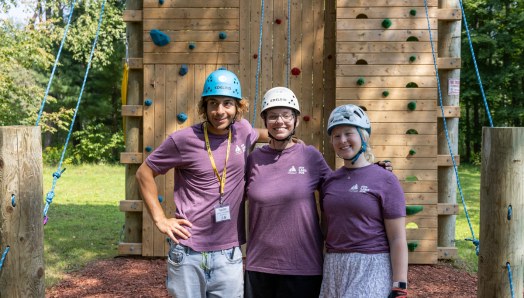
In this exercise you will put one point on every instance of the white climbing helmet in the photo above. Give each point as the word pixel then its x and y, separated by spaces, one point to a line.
pixel 279 97
pixel 349 115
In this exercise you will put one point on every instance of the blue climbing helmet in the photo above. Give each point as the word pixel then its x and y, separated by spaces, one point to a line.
pixel 224 83
pixel 350 115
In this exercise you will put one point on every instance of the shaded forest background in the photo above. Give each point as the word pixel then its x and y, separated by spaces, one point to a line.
pixel 27 52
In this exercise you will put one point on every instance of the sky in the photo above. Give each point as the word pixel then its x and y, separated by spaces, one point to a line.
pixel 17 13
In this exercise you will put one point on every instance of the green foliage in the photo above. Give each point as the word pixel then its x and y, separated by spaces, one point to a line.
pixel 96 144
pixel 51 156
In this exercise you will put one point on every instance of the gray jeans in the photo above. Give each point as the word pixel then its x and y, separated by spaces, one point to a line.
pixel 216 274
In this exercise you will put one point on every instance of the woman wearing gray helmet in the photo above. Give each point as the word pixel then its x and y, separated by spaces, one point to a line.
pixel 284 251
pixel 364 216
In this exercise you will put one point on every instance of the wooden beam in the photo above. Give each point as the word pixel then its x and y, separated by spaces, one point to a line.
pixel 449 14
pixel 132 16
pixel 402 128
pixel 390 105
pixel 382 3
pixel 448 209
pixel 130 249
pixel 385 70
pixel 394 93
pixel 191 24
pixel 191 58
pixel 421 234
pixel 449 63
pixel 385 35
pixel 190 13
pixel 385 47
pixel 422 257
pixel 446 161
pixel 193 36
pixel 385 12
pixel 423 222
pixel 131 157
pixel 200 47
pixel 134 63
pixel 449 112
pixel 447 253
pixel 419 186
pixel 133 110
pixel 376 24
pixel 387 59
pixel 421 198
pixel 194 3
pixel 132 205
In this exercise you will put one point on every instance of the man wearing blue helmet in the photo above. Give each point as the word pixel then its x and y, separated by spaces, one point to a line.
pixel 205 259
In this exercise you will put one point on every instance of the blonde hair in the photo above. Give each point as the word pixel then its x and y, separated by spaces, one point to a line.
pixel 242 106
pixel 368 155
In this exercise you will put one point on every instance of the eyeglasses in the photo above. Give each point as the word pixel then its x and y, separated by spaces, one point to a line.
pixel 285 117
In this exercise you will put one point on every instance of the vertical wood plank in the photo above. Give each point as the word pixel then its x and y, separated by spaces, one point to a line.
pixel 318 75
pixel 329 76
pixel 148 141
pixel 308 40
pixel 183 91
pixel 255 36
pixel 160 132
pixel 295 52
pixel 244 74
pixel 266 71
pixel 200 80
pixel 171 126
pixel 280 44
pixel 190 102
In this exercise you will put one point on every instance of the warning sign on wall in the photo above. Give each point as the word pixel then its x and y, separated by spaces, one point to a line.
pixel 453 86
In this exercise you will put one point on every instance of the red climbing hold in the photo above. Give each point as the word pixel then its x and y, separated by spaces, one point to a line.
pixel 278 21
pixel 255 56
pixel 329 57
pixel 295 71
pixel 306 118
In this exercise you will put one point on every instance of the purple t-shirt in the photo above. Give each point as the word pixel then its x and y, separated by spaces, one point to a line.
pixel 197 190
pixel 284 231
pixel 355 209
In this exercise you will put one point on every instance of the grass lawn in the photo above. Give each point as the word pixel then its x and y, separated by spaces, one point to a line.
pixel 85 221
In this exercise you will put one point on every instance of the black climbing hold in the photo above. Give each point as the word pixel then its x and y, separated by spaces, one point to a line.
pixel 148 149
pixel 222 35
pixel 386 23
pixel 148 102
pixel 413 12
pixel 410 210
pixel 412 246
pixel 412 152
pixel 385 93
pixel 159 38
pixel 191 46
pixel 361 81
pixel 412 58
pixel 412 105
pixel 183 70
pixel 181 117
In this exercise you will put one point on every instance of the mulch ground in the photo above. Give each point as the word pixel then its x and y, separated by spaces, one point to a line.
pixel 136 277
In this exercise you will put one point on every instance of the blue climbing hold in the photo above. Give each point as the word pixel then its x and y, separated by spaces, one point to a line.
pixel 159 38
pixel 161 2
pixel 222 35
pixel 191 46
pixel 183 70
pixel 148 149
pixel 148 102
pixel 222 68
pixel 182 117
pixel 160 199
pixel 13 200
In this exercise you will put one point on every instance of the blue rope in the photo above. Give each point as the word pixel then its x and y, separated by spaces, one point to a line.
pixel 288 21
pixel 474 240
pixel 510 280
pixel 56 62
pixel 258 62
pixel 3 257
pixel 509 212
pixel 58 173
pixel 13 200
pixel 475 63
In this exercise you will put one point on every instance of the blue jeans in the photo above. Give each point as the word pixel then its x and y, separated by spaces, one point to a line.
pixel 216 274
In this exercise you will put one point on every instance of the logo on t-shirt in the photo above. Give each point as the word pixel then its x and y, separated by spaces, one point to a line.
pixel 354 188
pixel 292 170
pixel 239 150
pixel 364 189
pixel 302 170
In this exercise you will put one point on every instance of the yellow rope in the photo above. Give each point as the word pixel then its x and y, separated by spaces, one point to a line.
pixel 123 91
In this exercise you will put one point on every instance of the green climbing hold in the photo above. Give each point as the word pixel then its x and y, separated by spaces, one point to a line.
pixel 412 152
pixel 387 160
pixel 386 23
pixel 413 12
pixel 412 58
pixel 412 246
pixel 412 105
pixel 385 93
pixel 361 81
pixel 410 210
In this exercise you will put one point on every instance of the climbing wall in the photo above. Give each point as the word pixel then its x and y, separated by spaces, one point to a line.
pixel 385 65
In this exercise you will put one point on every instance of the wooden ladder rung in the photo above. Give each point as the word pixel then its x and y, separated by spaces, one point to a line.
pixel 130 248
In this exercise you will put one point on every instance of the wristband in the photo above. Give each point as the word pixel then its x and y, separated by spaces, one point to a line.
pixel 400 284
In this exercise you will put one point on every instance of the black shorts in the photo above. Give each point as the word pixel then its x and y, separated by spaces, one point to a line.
pixel 266 285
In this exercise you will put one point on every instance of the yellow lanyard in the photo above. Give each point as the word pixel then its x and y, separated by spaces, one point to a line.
pixel 223 180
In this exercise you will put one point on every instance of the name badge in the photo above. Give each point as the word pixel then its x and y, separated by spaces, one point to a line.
pixel 222 213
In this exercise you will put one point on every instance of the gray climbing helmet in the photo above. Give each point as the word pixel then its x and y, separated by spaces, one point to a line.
pixel 349 115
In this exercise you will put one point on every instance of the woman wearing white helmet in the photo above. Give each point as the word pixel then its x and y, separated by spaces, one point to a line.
pixel 364 213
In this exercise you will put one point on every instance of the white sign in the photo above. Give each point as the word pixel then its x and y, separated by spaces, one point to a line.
pixel 453 86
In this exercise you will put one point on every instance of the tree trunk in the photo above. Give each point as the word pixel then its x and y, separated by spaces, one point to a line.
pixel 468 134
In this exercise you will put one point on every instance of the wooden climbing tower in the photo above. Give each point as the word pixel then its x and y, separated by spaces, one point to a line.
pixel 329 70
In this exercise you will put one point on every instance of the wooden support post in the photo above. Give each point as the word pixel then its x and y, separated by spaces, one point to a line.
pixel 133 220
pixel 21 225
pixel 448 47
pixel 329 75
pixel 500 187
